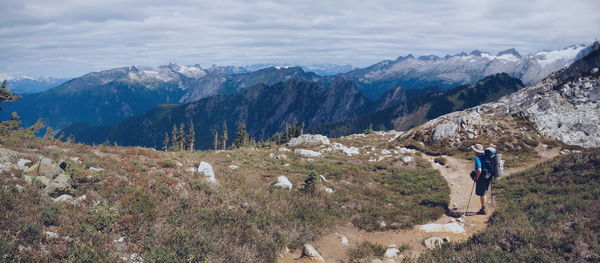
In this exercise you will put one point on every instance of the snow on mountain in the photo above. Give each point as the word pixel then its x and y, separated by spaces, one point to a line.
pixel 467 68
pixel 27 84
pixel 319 69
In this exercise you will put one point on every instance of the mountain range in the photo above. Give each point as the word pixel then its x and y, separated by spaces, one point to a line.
pixel 29 85
pixel 108 97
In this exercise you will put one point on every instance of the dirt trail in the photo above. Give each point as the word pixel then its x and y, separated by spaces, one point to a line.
pixel 456 173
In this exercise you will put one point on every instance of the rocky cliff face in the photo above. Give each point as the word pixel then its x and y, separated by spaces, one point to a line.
pixel 564 106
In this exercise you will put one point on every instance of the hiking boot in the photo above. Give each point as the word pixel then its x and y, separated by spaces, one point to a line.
pixel 481 211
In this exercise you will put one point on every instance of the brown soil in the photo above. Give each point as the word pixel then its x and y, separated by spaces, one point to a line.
pixel 456 172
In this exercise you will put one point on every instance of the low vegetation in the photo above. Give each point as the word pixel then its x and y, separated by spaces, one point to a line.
pixel 548 214
pixel 165 213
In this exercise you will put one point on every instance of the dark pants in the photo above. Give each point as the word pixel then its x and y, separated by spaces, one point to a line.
pixel 481 186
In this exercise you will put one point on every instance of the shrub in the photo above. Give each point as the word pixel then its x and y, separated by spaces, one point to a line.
pixel 365 250
pixel 50 214
pixel 441 160
pixel 8 248
pixel 167 163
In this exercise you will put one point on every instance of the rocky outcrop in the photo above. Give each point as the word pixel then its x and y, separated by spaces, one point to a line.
pixel 206 169
pixel 309 139
pixel 434 242
pixel 307 153
pixel 338 147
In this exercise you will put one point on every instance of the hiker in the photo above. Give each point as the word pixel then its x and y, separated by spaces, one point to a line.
pixel 482 179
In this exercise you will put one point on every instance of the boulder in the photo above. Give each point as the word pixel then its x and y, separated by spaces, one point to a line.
pixel 344 240
pixel 283 182
pixel 454 228
pixel 392 251
pixel 60 185
pixel 281 157
pixel 407 159
pixel 43 180
pixel 309 252
pixel 206 169
pixel 46 168
pixel 307 153
pixel 21 164
pixel 309 139
pixel 338 147
pixel 63 198
pixel 434 242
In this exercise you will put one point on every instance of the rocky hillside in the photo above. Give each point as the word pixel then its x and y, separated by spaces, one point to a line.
pixel 564 106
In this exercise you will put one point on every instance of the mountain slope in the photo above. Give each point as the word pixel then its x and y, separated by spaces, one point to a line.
pixel 265 109
pixel 410 72
pixel 400 109
pixel 564 106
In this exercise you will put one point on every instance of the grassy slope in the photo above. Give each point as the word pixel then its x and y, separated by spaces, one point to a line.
pixel 168 215
pixel 548 214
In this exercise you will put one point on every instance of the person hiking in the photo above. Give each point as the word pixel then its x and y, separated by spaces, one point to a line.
pixel 482 177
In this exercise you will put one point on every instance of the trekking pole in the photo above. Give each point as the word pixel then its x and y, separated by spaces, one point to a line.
pixel 471 194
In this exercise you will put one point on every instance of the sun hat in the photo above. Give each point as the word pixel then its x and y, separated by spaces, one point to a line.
pixel 477 148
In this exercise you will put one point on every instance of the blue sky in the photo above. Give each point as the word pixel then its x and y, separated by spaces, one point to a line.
pixel 73 37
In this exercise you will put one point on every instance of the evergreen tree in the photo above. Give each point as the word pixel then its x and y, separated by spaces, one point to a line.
pixel 242 138
pixel 369 129
pixel 182 138
pixel 174 138
pixel 6 95
pixel 49 135
pixel 215 140
pixel 224 137
pixel 191 138
pixel 166 142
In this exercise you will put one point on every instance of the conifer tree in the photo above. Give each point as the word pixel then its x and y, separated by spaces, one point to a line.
pixel 166 143
pixel 174 138
pixel 6 95
pixel 49 135
pixel 242 138
pixel 215 140
pixel 182 138
pixel 224 137
pixel 191 137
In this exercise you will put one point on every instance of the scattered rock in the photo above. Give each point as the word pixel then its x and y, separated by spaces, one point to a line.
pixel 385 152
pixel 407 159
pixel 43 180
pixel 75 159
pixel 283 182
pixel 63 198
pixel 46 168
pixel 136 258
pixel 119 240
pixel 191 169
pixel 233 167
pixel 447 228
pixel 323 178
pixel 344 240
pixel 392 251
pixel 309 139
pixel 19 188
pixel 328 190
pixel 338 147
pixel 22 162
pixel 206 169
pixel 309 252
pixel 283 149
pixel 382 224
pixel 95 169
pixel 376 260
pixel 594 71
pixel 565 151
pixel 434 242
pixel 286 165
pixel 307 153
pixel 60 185
pixel 79 200
pixel 272 155
pixel 51 235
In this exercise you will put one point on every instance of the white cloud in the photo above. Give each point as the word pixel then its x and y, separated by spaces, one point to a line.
pixel 73 37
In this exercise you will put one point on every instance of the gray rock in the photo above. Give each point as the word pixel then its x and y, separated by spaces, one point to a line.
pixel 63 198
pixel 60 185
pixel 21 164
pixel 51 235
pixel 309 139
pixel 45 167
pixel 206 169
pixel 283 182
pixel 338 147
pixel 307 153
pixel 309 252
pixel 96 169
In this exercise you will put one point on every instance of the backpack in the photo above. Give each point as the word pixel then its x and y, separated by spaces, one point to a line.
pixel 492 164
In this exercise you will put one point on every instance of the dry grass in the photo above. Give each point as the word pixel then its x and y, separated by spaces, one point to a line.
pixel 168 214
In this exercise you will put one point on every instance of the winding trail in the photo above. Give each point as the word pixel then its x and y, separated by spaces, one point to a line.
pixel 456 173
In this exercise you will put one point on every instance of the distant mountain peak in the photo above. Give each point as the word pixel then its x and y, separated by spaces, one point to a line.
pixel 510 51
pixel 477 53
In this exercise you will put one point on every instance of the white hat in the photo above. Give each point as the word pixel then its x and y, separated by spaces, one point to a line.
pixel 477 148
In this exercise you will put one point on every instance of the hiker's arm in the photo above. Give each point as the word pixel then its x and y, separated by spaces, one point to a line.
pixel 478 171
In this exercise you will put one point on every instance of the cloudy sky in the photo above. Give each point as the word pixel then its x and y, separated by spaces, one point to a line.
pixel 73 37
